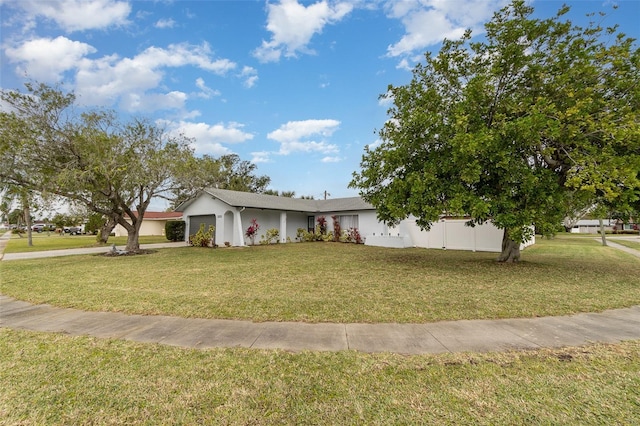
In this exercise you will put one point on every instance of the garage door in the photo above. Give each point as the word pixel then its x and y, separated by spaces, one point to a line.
pixel 195 221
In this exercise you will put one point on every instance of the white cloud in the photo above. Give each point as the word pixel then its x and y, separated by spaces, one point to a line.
pixel 107 79
pixel 331 159
pixel 207 138
pixel 205 92
pixel 261 157
pixel 46 59
pixel 428 22
pixel 294 136
pixel 111 79
pixel 165 23
pixel 250 75
pixel 292 26
pixel 78 15
pixel 136 102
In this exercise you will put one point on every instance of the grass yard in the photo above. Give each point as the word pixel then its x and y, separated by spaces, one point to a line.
pixel 57 379
pixel 50 378
pixel 634 244
pixel 53 241
pixel 333 282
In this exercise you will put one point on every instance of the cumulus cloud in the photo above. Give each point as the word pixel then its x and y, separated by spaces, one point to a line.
pixel 297 136
pixel 146 102
pixel 165 23
pixel 210 138
pixel 261 157
pixel 250 76
pixel 109 78
pixel 46 59
pixel 428 22
pixel 293 25
pixel 78 15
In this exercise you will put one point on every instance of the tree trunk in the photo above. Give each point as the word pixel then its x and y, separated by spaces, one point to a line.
pixel 510 249
pixel 27 218
pixel 106 229
pixel 602 234
pixel 133 231
pixel 133 245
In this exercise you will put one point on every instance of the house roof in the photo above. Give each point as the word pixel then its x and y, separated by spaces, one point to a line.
pixel 161 215
pixel 274 202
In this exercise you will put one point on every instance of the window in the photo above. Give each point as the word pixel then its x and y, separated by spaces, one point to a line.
pixel 348 221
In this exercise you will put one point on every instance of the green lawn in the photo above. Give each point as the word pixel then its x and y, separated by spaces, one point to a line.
pixel 634 244
pixel 57 379
pixel 53 241
pixel 333 282
pixel 50 378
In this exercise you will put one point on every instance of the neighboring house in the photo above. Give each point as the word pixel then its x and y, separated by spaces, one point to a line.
pixel 592 226
pixel 231 213
pixel 153 223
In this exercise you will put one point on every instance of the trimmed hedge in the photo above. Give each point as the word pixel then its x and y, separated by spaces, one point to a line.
pixel 175 229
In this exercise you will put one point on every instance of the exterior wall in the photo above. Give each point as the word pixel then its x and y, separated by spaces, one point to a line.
pixel 148 227
pixel 268 219
pixel 367 222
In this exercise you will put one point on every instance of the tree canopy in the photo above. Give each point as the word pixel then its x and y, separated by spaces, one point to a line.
pixel 512 128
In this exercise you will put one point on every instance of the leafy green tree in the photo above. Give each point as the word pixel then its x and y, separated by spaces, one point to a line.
pixel 90 158
pixel 508 128
pixel 288 194
pixel 95 222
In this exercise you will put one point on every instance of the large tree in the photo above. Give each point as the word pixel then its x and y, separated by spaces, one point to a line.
pixel 90 158
pixel 510 128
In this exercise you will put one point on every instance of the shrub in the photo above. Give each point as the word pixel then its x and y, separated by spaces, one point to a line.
pixel 174 230
pixel 336 228
pixel 272 235
pixel 252 231
pixel 322 223
pixel 354 236
pixel 202 238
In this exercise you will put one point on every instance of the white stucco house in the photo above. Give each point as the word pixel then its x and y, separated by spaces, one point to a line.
pixel 231 213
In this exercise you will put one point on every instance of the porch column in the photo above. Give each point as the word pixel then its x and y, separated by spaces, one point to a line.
pixel 238 234
pixel 283 227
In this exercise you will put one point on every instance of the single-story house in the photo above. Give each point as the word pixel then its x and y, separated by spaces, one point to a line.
pixel 592 226
pixel 231 213
pixel 153 223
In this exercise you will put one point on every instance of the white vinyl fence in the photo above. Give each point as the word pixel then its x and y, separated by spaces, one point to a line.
pixel 451 234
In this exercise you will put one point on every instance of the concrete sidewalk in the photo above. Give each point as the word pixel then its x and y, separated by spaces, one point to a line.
pixel 71 252
pixel 445 336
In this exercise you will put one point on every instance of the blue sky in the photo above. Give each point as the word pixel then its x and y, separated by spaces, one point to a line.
pixel 291 85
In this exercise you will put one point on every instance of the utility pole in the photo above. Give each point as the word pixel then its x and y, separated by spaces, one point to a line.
pixel 326 194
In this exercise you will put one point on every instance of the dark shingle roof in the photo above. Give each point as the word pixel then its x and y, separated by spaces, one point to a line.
pixel 273 202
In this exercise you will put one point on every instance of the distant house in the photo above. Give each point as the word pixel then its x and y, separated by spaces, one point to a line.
pixel 153 223
pixel 231 213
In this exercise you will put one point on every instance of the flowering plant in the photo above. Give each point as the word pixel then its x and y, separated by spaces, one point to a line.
pixel 322 222
pixel 252 230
